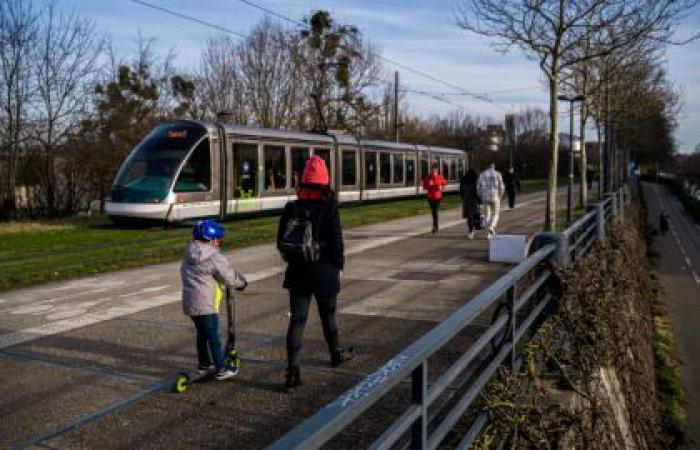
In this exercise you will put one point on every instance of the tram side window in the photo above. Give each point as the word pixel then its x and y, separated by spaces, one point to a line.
pixel 424 167
pixel 299 157
pixel 398 168
pixel 384 168
pixel 410 171
pixel 275 167
pixel 453 171
pixel 325 154
pixel 245 157
pixel 445 168
pixel 370 170
pixel 196 175
pixel 349 167
pixel 460 169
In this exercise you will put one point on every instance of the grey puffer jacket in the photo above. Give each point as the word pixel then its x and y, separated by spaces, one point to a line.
pixel 203 266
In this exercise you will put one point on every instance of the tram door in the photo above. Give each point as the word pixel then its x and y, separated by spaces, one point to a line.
pixel 197 187
pixel 243 177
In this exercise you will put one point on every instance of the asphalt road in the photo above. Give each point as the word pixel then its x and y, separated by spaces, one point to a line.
pixel 87 363
pixel 679 252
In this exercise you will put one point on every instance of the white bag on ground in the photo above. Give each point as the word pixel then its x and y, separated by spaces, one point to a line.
pixel 508 248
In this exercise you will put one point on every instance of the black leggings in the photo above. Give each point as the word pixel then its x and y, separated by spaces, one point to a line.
pixel 299 307
pixel 434 208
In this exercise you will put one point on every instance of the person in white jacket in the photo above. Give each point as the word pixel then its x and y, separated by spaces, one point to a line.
pixel 490 189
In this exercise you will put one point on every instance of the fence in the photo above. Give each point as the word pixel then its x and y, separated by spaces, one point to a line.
pixel 518 300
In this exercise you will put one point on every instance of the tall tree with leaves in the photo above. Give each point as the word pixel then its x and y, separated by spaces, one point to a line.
pixel 339 67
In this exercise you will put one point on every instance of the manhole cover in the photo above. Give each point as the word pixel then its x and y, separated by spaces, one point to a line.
pixel 420 275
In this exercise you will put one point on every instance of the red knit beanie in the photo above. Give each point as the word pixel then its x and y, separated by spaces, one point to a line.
pixel 315 172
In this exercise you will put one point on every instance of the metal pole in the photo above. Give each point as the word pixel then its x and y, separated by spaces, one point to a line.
pixel 396 106
pixel 570 190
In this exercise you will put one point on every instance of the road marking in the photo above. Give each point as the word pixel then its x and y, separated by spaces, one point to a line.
pixel 697 278
pixel 144 291
pixel 687 261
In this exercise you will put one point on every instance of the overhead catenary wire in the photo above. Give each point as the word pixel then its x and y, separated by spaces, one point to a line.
pixel 190 18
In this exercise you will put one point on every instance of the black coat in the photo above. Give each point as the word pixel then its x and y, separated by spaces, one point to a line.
pixel 322 277
pixel 470 198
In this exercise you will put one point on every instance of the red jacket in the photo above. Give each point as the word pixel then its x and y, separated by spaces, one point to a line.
pixel 434 184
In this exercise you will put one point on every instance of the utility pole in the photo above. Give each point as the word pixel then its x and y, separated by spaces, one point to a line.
pixel 396 106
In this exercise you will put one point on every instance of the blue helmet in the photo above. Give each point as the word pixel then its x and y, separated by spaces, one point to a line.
pixel 208 230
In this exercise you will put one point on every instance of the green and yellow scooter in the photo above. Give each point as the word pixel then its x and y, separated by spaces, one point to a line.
pixel 232 360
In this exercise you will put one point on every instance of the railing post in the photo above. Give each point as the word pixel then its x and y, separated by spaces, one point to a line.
pixel 621 204
pixel 510 298
pixel 600 217
pixel 561 254
pixel 419 394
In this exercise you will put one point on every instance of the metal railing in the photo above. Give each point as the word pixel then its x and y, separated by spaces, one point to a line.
pixel 517 299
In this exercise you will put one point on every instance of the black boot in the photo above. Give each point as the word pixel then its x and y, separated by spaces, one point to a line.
pixel 292 378
pixel 341 355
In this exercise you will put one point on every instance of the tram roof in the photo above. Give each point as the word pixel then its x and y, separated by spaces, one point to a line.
pixel 347 139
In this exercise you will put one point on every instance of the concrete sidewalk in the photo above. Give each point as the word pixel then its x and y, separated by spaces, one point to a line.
pixel 680 268
pixel 85 363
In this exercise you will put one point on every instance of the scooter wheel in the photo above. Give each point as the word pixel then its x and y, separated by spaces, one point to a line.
pixel 181 383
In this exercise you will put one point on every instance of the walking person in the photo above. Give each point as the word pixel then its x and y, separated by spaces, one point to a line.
pixel 512 182
pixel 315 263
pixel 434 183
pixel 470 201
pixel 490 188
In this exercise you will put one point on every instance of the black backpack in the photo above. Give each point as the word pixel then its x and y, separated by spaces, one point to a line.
pixel 298 243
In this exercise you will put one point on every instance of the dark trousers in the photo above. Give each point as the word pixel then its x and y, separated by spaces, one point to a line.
pixel 511 198
pixel 209 350
pixel 299 307
pixel 434 208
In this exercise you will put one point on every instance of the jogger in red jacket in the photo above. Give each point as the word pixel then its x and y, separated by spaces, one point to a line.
pixel 434 183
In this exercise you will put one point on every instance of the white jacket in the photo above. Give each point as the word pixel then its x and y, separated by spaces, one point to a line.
pixel 490 186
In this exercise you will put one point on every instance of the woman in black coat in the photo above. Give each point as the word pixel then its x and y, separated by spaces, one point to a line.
pixel 470 200
pixel 316 201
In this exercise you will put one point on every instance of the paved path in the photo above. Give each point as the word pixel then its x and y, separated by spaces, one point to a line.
pixel 680 276
pixel 84 363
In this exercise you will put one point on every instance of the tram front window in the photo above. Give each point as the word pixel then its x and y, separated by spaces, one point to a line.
pixel 148 174
pixel 196 175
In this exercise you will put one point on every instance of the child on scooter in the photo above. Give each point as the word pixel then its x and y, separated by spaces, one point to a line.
pixel 205 274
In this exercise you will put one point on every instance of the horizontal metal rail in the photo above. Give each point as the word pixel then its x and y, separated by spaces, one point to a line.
pixel 412 362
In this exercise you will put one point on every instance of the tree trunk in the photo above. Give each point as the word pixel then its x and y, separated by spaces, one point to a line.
pixel 551 212
pixel 583 161
pixel 600 161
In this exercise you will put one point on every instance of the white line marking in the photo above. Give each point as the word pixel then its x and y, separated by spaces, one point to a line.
pixel 682 249
pixel 697 278
pixel 687 261
pixel 145 290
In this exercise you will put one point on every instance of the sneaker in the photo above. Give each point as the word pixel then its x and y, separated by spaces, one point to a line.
pixel 470 236
pixel 492 232
pixel 227 373
pixel 203 370
pixel 341 355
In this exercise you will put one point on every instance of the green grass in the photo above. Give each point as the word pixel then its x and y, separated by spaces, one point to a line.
pixel 43 251
pixel 38 252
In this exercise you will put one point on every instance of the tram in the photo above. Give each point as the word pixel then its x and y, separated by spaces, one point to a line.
pixel 186 170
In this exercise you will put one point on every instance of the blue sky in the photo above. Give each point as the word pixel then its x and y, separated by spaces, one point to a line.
pixel 417 33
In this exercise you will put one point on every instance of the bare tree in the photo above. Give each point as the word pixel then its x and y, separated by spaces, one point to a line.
pixel 552 31
pixel 18 36
pixel 65 60
pixel 219 85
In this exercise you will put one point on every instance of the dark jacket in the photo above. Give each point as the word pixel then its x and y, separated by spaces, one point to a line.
pixel 467 191
pixel 511 180
pixel 322 277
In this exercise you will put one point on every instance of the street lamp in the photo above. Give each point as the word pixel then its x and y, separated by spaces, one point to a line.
pixel 570 190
